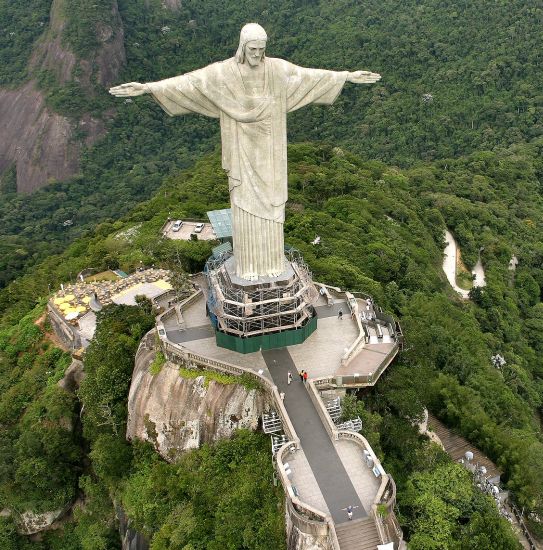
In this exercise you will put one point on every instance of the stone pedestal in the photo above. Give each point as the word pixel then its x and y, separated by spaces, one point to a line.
pixel 263 314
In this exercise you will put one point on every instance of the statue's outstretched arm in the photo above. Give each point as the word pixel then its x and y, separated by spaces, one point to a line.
pixel 363 77
pixel 131 89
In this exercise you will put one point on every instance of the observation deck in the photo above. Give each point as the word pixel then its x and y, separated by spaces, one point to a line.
pixel 323 468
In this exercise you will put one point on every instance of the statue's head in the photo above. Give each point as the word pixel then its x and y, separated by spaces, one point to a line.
pixel 252 44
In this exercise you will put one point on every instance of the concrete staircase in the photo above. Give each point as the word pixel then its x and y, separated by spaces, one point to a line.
pixel 456 447
pixel 358 534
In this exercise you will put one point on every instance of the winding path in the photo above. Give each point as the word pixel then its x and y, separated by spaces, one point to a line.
pixel 449 266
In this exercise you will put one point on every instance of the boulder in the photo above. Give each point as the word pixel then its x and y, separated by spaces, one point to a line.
pixel 177 414
pixel 29 523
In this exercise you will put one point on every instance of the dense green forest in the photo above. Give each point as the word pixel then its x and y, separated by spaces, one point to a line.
pixel 381 232
pixel 456 79
pixel 451 137
pixel 215 497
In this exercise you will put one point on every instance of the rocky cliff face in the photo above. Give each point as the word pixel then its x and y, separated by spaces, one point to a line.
pixel 103 64
pixel 40 143
pixel 173 5
pixel 178 414
pixel 130 538
pixel 30 523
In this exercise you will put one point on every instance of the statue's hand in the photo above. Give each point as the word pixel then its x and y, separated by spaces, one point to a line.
pixel 363 77
pixel 131 89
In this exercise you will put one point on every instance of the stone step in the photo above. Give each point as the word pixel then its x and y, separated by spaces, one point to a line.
pixel 360 534
pixel 456 446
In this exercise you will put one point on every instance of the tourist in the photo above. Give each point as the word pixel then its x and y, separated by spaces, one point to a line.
pixel 350 512
pixel 302 375
pixel 340 314
pixel 289 377
pixel 305 376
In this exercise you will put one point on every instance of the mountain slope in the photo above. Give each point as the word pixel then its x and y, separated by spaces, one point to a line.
pixel 41 143
pixel 381 232
pixel 455 78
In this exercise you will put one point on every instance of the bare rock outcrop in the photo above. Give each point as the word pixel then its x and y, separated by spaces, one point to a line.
pixel 38 141
pixel 104 63
pixel 73 376
pixel 173 5
pixel 49 54
pixel 304 541
pixel 178 414
pixel 44 145
pixel 30 523
pixel 130 538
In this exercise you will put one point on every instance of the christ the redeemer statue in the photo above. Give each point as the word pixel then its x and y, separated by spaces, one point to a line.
pixel 251 94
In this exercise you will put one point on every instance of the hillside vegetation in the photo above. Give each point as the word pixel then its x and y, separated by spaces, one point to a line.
pixel 381 232
pixel 456 79
pixel 451 137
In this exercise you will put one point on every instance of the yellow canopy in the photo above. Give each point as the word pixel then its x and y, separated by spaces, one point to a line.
pixel 64 306
pixel 58 300
pixel 69 297
pixel 86 299
pixel 162 284
pixel 81 309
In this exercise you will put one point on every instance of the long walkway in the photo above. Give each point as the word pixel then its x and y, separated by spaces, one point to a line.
pixel 332 478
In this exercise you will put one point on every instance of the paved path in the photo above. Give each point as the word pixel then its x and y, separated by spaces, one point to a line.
pixel 449 266
pixel 332 311
pixel 190 334
pixel 332 478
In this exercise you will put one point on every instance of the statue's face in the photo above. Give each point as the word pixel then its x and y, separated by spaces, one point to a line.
pixel 254 52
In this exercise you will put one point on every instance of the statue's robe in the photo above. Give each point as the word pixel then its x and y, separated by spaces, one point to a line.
pixel 254 144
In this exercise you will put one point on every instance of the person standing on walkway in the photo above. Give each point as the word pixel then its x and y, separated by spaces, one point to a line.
pixel 289 377
pixel 350 512
pixel 340 314
pixel 302 375
pixel 305 376
pixel 282 396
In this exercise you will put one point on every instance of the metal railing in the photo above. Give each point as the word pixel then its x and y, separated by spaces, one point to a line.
pixel 390 529
pixel 523 528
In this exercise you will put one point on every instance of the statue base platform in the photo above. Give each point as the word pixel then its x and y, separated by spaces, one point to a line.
pixel 282 280
pixel 268 313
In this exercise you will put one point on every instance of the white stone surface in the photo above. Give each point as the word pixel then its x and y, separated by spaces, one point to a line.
pixel 364 481
pixel 449 266
pixel 29 523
